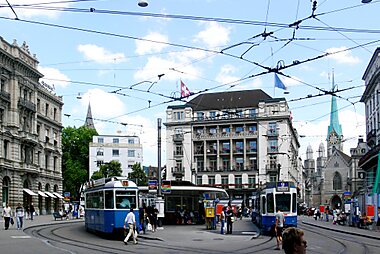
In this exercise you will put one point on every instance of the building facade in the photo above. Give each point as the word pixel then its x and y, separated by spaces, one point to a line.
pixel 370 193
pixel 30 132
pixel 125 149
pixel 235 140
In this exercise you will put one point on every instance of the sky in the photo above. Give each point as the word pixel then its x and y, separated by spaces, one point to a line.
pixel 128 61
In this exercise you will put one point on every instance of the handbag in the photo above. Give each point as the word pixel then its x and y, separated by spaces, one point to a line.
pixel 12 221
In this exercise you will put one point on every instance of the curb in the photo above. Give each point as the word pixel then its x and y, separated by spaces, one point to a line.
pixel 341 231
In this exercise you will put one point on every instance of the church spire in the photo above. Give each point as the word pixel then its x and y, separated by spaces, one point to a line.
pixel 334 132
pixel 89 123
pixel 334 119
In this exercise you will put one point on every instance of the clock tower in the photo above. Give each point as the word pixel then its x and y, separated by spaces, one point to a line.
pixel 334 132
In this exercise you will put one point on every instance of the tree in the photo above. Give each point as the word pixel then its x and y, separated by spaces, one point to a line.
pixel 75 159
pixel 138 175
pixel 113 168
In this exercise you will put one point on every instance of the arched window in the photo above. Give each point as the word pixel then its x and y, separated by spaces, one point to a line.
pixel 337 181
pixel 5 190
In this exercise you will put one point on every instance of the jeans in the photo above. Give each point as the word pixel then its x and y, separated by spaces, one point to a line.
pixel 222 226
pixel 20 221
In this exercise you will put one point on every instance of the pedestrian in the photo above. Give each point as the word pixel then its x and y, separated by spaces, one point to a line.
pixel 142 212
pixel 279 226
pixel 327 215
pixel 31 210
pixel 293 241
pixel 19 216
pixel 222 220
pixel 130 220
pixel 229 216
pixel 378 219
pixel 27 215
pixel 7 215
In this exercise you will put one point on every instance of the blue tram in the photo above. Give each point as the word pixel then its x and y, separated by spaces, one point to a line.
pixel 107 203
pixel 274 196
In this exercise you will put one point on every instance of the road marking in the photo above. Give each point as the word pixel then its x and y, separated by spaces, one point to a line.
pixel 20 236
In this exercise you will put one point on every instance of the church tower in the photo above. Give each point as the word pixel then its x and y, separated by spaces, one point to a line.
pixel 89 123
pixel 334 132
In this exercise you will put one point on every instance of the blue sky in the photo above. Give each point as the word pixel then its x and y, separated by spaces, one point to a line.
pixel 119 44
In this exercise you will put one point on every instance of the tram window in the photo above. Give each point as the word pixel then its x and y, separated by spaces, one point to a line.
pixel 108 199
pixel 283 202
pixel 125 199
pixel 94 200
pixel 294 203
pixel 264 205
pixel 270 203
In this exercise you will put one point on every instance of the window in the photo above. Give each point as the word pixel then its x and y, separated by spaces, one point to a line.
pixel 55 114
pixel 55 163
pixel 47 135
pixel 1 115
pixel 100 140
pixel 38 131
pixel 6 148
pixel 200 116
pixel 272 145
pixel 251 181
pixel 239 146
pixel 252 146
pixel 199 180
pixel 2 83
pixel 115 141
pixel 47 109
pixel 239 129
pixel 283 202
pixel 38 157
pixel 212 131
pixel 131 141
pixel 108 199
pixel 270 203
pixel 337 181
pixel 252 128
pixel 200 165
pixel 252 113
pixel 38 105
pixel 226 130
pixel 125 199
pixel 212 115
pixel 239 113
pixel 225 181
pixel 226 147
pixel 238 182
pixel 211 180
pixel 99 163
pixel 239 163
pixel 131 153
pixel 115 152
pixel 272 128
pixel 46 161
pixel 100 152
pixel 178 115
pixel 55 134
pixel 178 150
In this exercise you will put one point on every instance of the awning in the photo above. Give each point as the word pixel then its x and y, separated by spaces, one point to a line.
pixel 30 192
pixel 58 195
pixel 49 194
pixel 42 194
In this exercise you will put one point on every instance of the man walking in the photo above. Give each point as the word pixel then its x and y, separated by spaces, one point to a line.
pixel 31 210
pixel 19 216
pixel 279 226
pixel 130 220
pixel 7 214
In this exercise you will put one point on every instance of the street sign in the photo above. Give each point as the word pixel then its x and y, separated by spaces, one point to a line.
pixel 282 186
pixel 152 185
pixel 166 186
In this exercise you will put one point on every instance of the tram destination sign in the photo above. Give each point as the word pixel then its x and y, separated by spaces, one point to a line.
pixel 282 186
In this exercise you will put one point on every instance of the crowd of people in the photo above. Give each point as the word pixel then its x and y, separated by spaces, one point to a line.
pixel 18 214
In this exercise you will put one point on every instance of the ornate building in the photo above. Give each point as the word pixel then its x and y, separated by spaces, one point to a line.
pixel 30 132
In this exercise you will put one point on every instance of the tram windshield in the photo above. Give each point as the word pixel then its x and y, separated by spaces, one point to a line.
pixel 283 202
pixel 125 199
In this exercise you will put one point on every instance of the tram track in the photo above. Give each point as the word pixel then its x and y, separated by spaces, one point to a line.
pixel 53 237
pixel 340 239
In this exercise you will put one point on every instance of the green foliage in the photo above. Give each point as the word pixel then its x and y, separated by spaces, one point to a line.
pixel 75 159
pixel 138 175
pixel 113 168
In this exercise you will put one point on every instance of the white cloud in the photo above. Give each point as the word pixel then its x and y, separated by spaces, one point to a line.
pixel 54 76
pixel 147 47
pixel 214 35
pixel 28 12
pixel 103 105
pixel 294 81
pixel 100 55
pixel 342 57
pixel 353 127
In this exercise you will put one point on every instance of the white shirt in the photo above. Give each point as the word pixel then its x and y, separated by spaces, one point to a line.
pixel 7 212
pixel 130 219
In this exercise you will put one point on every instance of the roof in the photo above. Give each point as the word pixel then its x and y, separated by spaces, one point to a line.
pixel 346 157
pixel 228 100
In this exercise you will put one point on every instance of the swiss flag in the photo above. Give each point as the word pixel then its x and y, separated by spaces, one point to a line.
pixel 185 92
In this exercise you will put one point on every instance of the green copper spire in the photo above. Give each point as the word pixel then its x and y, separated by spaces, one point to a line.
pixel 334 119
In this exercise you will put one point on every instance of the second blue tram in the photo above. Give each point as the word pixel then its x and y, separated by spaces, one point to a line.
pixel 107 203
pixel 274 196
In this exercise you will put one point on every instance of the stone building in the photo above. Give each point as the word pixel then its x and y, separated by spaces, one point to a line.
pixel 235 140
pixel 30 132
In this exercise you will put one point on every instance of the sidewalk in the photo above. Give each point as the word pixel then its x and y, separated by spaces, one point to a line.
pixel 338 228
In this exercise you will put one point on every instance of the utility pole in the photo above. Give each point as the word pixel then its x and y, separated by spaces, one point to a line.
pixel 160 202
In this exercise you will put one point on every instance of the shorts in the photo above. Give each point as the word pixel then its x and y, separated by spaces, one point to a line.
pixel 279 231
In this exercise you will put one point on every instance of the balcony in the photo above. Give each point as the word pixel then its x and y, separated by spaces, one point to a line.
pixel 239 150
pixel 272 133
pixel 178 137
pixel 225 151
pixel 5 96
pixel 272 168
pixel 252 150
pixel 27 104
pixel 178 172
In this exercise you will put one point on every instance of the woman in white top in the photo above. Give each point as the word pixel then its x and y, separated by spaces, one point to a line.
pixel 7 213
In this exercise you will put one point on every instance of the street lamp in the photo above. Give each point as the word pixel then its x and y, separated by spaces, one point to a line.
pixel 366 1
pixel 143 3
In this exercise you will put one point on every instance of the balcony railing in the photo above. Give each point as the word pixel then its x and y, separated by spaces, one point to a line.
pixel 5 96
pixel 178 137
pixel 27 104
